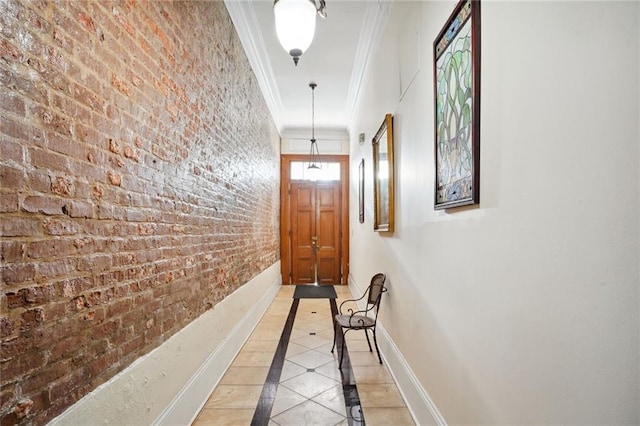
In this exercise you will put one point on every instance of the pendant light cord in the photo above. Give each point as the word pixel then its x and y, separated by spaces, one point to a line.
pixel 313 110
pixel 314 155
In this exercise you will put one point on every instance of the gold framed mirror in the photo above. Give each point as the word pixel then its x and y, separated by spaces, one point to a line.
pixel 383 199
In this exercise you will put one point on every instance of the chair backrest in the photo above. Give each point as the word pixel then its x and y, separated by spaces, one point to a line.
pixel 376 288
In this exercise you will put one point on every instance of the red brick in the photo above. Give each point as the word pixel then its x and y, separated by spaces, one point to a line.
pixel 66 385
pixel 83 191
pixel 92 172
pixel 23 407
pixel 6 328
pixel 115 146
pixel 86 22
pixel 55 311
pixel 74 109
pixel 26 297
pixel 134 345
pixel 66 145
pixel 8 203
pixel 8 394
pixel 8 51
pixel 21 84
pixel 18 273
pixel 114 178
pixel 119 84
pixel 41 380
pixel 51 120
pixel 32 20
pixel 27 363
pixel 72 287
pixel 59 227
pixel 48 160
pixel 31 318
pixel 88 97
pixel 55 408
pixel 11 177
pixel 20 227
pixel 39 181
pixel 106 362
pixel 119 307
pixel 50 248
pixel 12 103
pixel 80 209
pixel 123 21
pixel 11 251
pixel 63 349
pixel 96 263
pixel 62 185
pixel 11 151
pixel 56 268
pixel 44 204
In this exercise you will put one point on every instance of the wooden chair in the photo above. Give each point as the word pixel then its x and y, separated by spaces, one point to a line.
pixel 364 319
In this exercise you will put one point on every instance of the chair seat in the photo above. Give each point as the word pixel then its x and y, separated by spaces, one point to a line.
pixel 355 321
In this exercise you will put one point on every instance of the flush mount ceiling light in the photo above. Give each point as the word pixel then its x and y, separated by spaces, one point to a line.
pixel 314 154
pixel 296 24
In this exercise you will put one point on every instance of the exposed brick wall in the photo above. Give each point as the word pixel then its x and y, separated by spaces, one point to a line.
pixel 139 187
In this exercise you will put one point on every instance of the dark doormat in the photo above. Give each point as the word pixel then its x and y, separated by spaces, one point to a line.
pixel 315 292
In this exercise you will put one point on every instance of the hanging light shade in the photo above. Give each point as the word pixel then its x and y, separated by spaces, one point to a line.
pixel 295 25
pixel 314 154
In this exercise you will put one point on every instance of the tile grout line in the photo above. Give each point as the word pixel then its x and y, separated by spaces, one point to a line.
pixel 262 414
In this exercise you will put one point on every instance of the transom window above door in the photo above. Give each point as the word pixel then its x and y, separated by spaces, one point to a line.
pixel 329 171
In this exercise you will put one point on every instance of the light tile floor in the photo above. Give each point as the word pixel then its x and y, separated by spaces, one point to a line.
pixel 310 390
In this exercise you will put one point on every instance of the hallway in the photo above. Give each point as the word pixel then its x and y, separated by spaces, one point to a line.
pixel 310 389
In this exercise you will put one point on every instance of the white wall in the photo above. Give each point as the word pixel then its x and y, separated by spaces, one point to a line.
pixel 525 309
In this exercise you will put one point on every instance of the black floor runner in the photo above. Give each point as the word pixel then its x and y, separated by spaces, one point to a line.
pixel 315 292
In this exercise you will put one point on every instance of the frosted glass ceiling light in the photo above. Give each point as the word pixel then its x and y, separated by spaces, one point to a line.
pixel 296 24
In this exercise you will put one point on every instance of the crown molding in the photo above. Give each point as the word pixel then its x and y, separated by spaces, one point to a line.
pixel 373 25
pixel 244 19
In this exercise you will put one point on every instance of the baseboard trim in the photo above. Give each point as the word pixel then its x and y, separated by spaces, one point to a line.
pixel 421 406
pixel 187 404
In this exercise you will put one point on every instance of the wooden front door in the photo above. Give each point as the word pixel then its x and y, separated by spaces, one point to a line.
pixel 315 232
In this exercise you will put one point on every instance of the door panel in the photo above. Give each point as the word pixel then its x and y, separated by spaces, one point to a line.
pixel 315 212
pixel 328 233
pixel 303 227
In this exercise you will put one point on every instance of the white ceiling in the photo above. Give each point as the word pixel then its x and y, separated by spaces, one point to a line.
pixel 336 62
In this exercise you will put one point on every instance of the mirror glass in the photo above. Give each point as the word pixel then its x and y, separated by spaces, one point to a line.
pixel 383 176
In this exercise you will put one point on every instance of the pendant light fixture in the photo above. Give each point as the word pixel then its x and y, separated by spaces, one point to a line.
pixel 296 24
pixel 314 154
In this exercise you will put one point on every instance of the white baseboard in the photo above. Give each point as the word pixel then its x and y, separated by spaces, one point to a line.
pixel 422 408
pixel 169 385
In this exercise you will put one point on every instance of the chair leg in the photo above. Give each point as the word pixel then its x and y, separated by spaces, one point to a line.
pixel 335 331
pixel 368 341
pixel 375 341
pixel 342 345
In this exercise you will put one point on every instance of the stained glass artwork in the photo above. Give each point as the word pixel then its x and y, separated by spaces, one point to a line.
pixel 454 79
